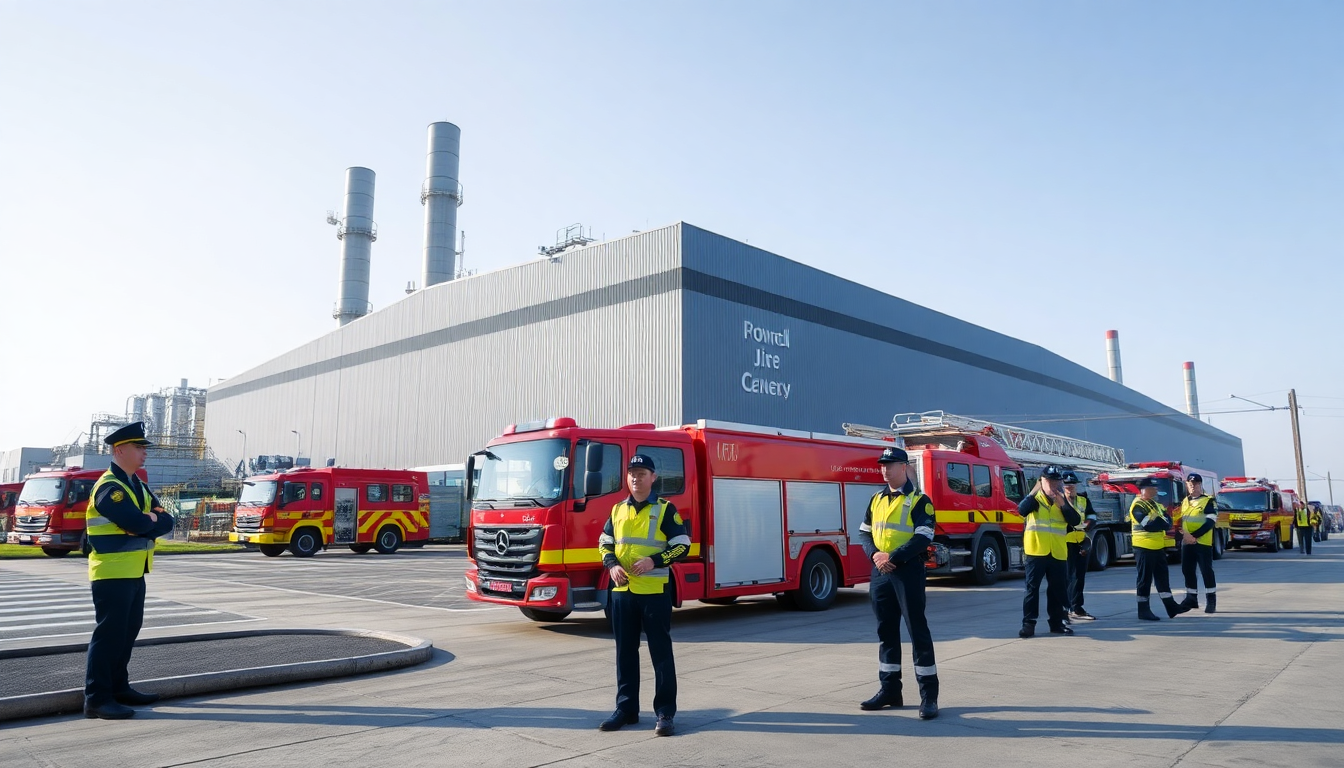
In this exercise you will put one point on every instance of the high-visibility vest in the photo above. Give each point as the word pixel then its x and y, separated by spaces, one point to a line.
pixel 1083 506
pixel 1146 539
pixel 116 554
pixel 1303 517
pixel 891 519
pixel 638 534
pixel 1193 514
pixel 1045 530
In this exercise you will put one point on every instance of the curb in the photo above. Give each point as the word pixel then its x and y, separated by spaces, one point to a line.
pixel 417 651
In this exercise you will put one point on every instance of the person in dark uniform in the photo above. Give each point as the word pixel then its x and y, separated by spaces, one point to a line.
pixel 1199 515
pixel 1149 523
pixel 896 533
pixel 1307 520
pixel 641 539
pixel 1080 555
pixel 122 521
pixel 1047 516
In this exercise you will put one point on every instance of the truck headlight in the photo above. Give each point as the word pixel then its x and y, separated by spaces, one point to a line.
pixel 544 593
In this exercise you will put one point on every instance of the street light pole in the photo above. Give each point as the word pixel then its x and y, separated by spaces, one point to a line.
pixel 298 444
pixel 1297 445
pixel 244 434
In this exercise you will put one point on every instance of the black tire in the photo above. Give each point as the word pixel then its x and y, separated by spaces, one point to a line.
pixel 388 541
pixel 1219 544
pixel 305 542
pixel 55 552
pixel 719 600
pixel 1274 545
pixel 988 565
pixel 817 583
pixel 1101 553
pixel 543 616
pixel 272 550
pixel 360 549
pixel 1288 542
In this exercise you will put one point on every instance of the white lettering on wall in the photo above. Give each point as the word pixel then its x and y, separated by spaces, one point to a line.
pixel 765 358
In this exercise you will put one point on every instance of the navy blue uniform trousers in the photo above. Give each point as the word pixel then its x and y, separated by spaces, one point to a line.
pixel 652 614
pixel 1056 573
pixel 119 609
pixel 895 595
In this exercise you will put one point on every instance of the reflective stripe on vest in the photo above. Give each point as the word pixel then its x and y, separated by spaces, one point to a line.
pixel 1045 530
pixel 116 554
pixel 891 521
pixel 1146 539
pixel 1193 514
pixel 1078 536
pixel 638 534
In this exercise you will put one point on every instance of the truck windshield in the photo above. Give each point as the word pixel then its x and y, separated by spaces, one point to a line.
pixel 532 470
pixel 1244 501
pixel 41 491
pixel 257 493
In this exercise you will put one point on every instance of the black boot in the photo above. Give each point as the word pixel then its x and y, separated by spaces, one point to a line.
pixel 1028 629
pixel 1146 613
pixel 1174 608
pixel 928 697
pixel 889 695
pixel 1211 603
pixel 1191 601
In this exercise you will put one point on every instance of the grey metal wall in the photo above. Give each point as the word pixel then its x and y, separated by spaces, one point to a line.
pixel 593 334
pixel 858 355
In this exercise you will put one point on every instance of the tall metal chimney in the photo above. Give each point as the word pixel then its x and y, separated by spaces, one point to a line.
pixel 356 231
pixel 1191 396
pixel 441 195
pixel 1113 356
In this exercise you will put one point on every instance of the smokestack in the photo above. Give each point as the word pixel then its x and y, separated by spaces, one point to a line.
pixel 356 231
pixel 1191 396
pixel 441 195
pixel 1113 356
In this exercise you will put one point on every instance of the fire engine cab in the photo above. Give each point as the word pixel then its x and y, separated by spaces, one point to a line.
pixel 49 512
pixel 1260 514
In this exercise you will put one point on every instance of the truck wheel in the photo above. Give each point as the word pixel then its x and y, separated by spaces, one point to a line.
pixel 360 549
pixel 539 615
pixel 1274 544
pixel 55 552
pixel 1287 541
pixel 389 540
pixel 1101 553
pixel 305 543
pixel 719 600
pixel 1219 546
pixel 272 550
pixel 988 562
pixel 817 585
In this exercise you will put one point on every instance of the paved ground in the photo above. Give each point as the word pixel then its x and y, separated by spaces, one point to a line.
pixel 1259 683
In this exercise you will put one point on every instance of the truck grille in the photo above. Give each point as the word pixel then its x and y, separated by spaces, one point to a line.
pixel 1249 525
pixel 248 523
pixel 30 524
pixel 506 553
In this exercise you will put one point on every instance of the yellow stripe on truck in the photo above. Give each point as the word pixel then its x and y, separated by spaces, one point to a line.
pixel 583 556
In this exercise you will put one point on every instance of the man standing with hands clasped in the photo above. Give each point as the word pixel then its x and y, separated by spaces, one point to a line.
pixel 1199 515
pixel 1047 515
pixel 643 536
pixel 896 533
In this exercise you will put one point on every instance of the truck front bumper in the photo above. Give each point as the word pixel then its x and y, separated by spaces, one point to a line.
pixel 548 591
pixel 259 538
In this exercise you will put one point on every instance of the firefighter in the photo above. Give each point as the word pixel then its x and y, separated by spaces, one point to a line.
pixel 1047 514
pixel 896 533
pixel 1148 527
pixel 122 521
pixel 1199 514
pixel 641 539
pixel 1307 520
pixel 1079 548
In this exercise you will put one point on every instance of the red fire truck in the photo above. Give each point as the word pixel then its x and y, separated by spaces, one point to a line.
pixel 1170 477
pixel 306 509
pixel 1261 514
pixel 975 472
pixel 50 509
pixel 9 495
pixel 770 511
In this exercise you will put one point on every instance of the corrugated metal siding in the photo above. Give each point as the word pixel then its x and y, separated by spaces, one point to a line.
pixel 386 390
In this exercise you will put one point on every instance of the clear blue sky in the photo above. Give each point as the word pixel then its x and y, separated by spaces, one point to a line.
pixel 1046 169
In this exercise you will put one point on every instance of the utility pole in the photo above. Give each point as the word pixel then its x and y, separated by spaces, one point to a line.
pixel 1331 485
pixel 1297 446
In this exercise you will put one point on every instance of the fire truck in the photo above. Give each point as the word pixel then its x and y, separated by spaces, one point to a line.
pixel 9 495
pixel 307 509
pixel 975 472
pixel 770 511
pixel 1261 514
pixel 1122 485
pixel 50 509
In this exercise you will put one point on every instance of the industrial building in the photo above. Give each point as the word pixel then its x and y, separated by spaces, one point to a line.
pixel 665 326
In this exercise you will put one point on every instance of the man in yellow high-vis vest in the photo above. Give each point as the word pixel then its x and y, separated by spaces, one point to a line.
pixel 1047 516
pixel 895 534
pixel 1148 525
pixel 122 521
pixel 1080 551
pixel 1199 517
pixel 639 543
pixel 1306 520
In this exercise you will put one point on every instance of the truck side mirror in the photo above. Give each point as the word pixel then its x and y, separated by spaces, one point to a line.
pixel 592 483
pixel 592 457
